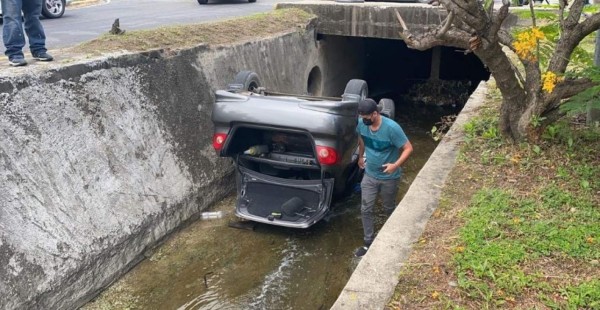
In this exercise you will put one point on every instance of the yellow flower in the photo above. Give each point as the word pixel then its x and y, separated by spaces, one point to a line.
pixel 527 42
pixel 435 295
pixel 538 34
pixel 549 80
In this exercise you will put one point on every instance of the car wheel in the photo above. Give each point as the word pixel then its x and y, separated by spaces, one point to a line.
pixel 245 81
pixel 251 1
pixel 202 1
pixel 387 108
pixel 53 8
pixel 357 89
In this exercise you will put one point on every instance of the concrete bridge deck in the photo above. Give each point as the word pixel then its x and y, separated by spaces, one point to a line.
pixel 369 19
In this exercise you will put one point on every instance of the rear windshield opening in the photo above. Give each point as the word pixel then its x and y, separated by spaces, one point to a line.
pixel 246 140
pixel 280 171
pixel 282 154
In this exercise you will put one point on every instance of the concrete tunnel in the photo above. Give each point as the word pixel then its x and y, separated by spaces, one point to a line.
pixel 101 159
pixel 392 70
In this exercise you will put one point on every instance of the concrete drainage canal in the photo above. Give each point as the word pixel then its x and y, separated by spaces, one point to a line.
pixel 210 265
pixel 142 168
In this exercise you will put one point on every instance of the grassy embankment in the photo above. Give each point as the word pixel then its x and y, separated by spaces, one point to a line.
pixel 184 36
pixel 518 226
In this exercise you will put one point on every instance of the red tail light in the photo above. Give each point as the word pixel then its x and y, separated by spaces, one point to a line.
pixel 327 155
pixel 219 140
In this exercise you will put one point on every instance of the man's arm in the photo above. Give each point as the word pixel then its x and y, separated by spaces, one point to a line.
pixel 405 152
pixel 361 151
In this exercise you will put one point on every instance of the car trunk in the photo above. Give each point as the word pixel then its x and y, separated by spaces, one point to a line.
pixel 279 179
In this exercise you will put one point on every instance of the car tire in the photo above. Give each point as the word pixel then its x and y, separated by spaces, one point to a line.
pixel 202 1
pixel 245 81
pixel 53 8
pixel 386 107
pixel 251 1
pixel 354 88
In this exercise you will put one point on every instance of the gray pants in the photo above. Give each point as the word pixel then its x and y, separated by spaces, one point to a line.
pixel 369 189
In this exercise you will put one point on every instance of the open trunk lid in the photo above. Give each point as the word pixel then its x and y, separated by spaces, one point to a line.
pixel 284 202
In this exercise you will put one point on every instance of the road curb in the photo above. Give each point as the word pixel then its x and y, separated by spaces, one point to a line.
pixel 374 280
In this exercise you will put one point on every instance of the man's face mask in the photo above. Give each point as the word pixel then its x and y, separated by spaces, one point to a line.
pixel 368 121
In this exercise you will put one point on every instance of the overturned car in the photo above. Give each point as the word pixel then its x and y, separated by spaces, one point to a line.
pixel 292 153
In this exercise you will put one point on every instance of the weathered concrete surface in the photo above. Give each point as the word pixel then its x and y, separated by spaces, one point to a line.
pixel 374 19
pixel 369 19
pixel 100 160
pixel 373 282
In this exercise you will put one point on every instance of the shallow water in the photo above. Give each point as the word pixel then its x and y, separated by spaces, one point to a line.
pixel 209 265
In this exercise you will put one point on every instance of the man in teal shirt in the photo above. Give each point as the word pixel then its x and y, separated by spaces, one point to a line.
pixel 383 148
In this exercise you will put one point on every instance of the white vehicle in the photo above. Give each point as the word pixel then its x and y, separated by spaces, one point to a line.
pixel 52 8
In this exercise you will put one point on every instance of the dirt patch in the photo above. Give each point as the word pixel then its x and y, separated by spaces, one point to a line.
pixel 427 273
pixel 185 36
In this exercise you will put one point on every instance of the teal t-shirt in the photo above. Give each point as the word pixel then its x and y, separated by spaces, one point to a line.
pixel 382 147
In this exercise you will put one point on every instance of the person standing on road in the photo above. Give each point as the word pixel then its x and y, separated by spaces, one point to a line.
pixel 387 148
pixel 12 32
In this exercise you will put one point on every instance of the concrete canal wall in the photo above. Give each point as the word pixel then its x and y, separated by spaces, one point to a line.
pixel 99 160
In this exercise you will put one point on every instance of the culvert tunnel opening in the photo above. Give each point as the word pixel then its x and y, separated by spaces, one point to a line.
pixel 424 85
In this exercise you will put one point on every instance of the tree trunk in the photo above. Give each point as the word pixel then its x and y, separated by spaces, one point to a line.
pixel 514 99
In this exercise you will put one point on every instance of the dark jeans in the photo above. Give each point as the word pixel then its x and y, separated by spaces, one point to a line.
pixel 12 32
pixel 370 187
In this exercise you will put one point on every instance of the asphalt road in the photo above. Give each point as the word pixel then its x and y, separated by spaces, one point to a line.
pixel 83 24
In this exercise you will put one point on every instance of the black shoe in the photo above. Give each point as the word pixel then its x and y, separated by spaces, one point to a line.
pixel 17 61
pixel 43 56
pixel 360 252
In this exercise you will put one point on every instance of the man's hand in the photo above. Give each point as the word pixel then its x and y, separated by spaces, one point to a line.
pixel 361 162
pixel 389 168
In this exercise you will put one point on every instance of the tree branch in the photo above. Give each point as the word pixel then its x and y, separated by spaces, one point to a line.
pixel 405 33
pixel 505 38
pixel 588 26
pixel 561 16
pixel 497 21
pixel 564 90
pixel 569 39
pixel 470 12
pixel 448 36
pixel 569 88
pixel 449 20
pixel 574 14
pixel 551 115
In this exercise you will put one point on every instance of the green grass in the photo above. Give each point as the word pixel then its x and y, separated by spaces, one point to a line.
pixel 512 232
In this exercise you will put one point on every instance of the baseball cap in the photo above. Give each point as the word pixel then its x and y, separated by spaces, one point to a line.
pixel 367 106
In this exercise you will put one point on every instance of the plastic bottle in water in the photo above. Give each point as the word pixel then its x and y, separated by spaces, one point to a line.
pixel 211 215
pixel 257 150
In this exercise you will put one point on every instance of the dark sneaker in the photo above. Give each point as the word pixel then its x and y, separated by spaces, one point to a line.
pixel 360 252
pixel 43 56
pixel 17 61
